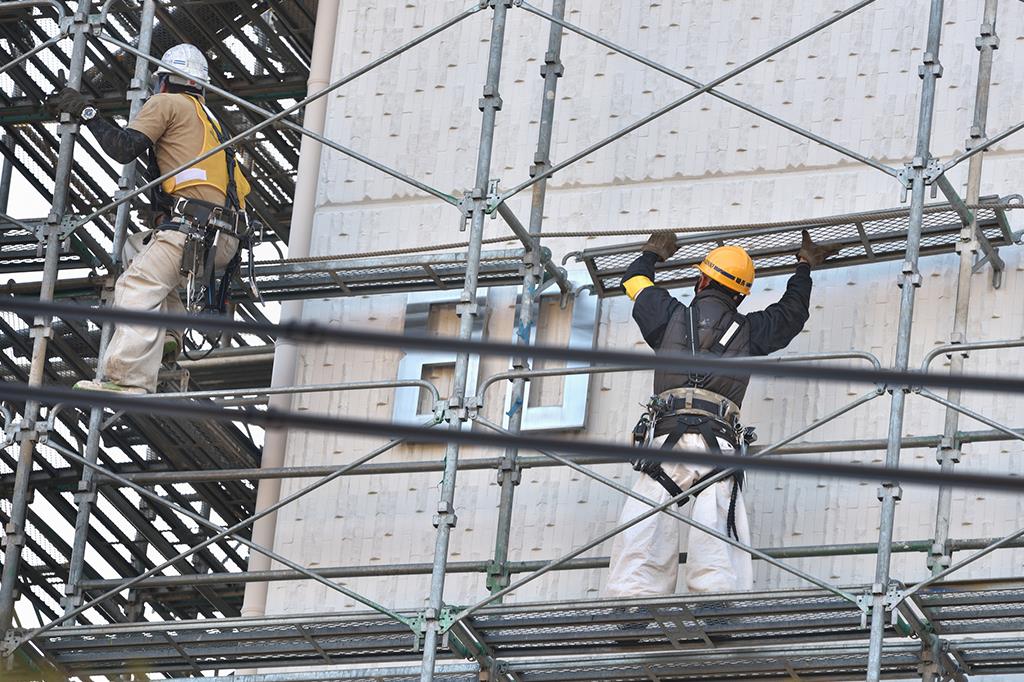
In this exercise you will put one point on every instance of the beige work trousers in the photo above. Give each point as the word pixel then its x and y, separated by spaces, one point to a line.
pixel 645 557
pixel 150 283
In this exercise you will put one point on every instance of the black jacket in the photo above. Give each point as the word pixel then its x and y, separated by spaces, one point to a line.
pixel 764 331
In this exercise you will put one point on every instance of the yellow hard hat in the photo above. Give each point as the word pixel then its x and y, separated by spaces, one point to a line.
pixel 731 267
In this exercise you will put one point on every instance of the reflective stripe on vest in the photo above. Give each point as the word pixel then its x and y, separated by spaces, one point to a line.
pixel 213 171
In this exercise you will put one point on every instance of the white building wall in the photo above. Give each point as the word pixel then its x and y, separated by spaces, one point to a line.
pixel 706 163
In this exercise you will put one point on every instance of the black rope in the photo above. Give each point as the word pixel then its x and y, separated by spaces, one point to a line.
pixel 313 332
pixel 613 452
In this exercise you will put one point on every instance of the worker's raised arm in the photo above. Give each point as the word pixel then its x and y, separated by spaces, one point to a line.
pixel 121 145
pixel 774 327
pixel 777 325
pixel 652 305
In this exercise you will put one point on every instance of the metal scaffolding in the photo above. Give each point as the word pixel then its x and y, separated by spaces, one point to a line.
pixel 91 624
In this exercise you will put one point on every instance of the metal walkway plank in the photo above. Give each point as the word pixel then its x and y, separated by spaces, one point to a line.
pixel 385 275
pixel 765 635
pixel 869 237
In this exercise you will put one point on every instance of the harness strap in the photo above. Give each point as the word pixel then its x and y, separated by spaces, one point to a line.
pixel 721 344
pixel 231 197
pixel 160 201
pixel 706 429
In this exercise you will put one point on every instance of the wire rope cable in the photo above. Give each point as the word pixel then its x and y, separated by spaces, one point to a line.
pixel 1004 205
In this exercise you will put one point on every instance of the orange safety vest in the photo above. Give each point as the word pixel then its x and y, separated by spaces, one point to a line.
pixel 212 171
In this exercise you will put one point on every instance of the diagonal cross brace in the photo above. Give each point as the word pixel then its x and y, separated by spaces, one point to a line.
pixel 679 102
pixel 888 170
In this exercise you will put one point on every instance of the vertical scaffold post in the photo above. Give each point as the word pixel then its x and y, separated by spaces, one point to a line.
pixel 526 313
pixel 475 206
pixel 6 167
pixel 286 351
pixel 85 496
pixel 916 175
pixel 949 449
pixel 42 330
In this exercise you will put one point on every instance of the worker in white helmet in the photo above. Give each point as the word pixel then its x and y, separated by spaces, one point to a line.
pixel 203 205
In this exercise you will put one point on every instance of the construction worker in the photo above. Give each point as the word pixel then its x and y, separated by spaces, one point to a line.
pixel 699 412
pixel 202 206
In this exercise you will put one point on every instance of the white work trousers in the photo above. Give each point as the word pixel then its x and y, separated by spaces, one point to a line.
pixel 645 557
pixel 150 283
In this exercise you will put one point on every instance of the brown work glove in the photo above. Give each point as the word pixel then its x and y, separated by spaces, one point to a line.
pixel 814 254
pixel 67 99
pixel 663 244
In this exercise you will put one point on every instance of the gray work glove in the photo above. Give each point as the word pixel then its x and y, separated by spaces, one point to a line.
pixel 663 244
pixel 815 254
pixel 69 100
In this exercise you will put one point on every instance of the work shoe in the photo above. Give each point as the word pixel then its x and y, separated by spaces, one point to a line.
pixel 171 350
pixel 108 386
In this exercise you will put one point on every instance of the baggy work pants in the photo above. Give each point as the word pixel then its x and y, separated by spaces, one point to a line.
pixel 150 283
pixel 645 557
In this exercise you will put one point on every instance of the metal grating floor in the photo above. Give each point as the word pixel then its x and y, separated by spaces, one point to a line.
pixel 869 237
pixel 20 251
pixel 772 635
pixel 385 275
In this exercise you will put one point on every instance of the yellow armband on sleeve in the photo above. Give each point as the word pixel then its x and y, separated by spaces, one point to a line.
pixel 634 285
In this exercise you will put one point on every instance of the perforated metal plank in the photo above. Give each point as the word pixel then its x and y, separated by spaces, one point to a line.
pixel 868 237
pixel 229 643
pixel 787 663
pixel 726 620
pixel 997 657
pixel 771 635
pixel 974 608
pixel 385 275
pixel 19 251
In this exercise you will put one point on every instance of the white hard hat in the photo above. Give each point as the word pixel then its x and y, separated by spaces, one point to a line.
pixel 190 60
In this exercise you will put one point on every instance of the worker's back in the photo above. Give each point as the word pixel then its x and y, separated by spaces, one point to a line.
pixel 717 326
pixel 172 121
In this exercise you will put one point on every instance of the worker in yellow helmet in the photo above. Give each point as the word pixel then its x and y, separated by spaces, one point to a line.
pixel 696 411
pixel 199 215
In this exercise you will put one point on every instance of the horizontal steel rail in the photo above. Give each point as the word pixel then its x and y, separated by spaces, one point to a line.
pixel 320 333
pixel 951 348
pixel 305 388
pixel 512 375
pixel 585 563
pixel 68 477
pixel 611 451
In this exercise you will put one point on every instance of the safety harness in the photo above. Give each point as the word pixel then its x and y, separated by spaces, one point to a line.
pixel 692 409
pixel 204 225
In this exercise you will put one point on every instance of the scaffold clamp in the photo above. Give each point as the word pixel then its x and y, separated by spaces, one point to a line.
pixel 466 207
pixel 498 576
pixel 890 489
pixel 864 602
pixel 8 645
pixel 948 450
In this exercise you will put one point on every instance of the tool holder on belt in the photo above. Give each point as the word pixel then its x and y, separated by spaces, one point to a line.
pixel 204 226
pixel 692 410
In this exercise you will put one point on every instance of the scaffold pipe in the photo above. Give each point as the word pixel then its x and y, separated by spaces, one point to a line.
pixel 299 239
